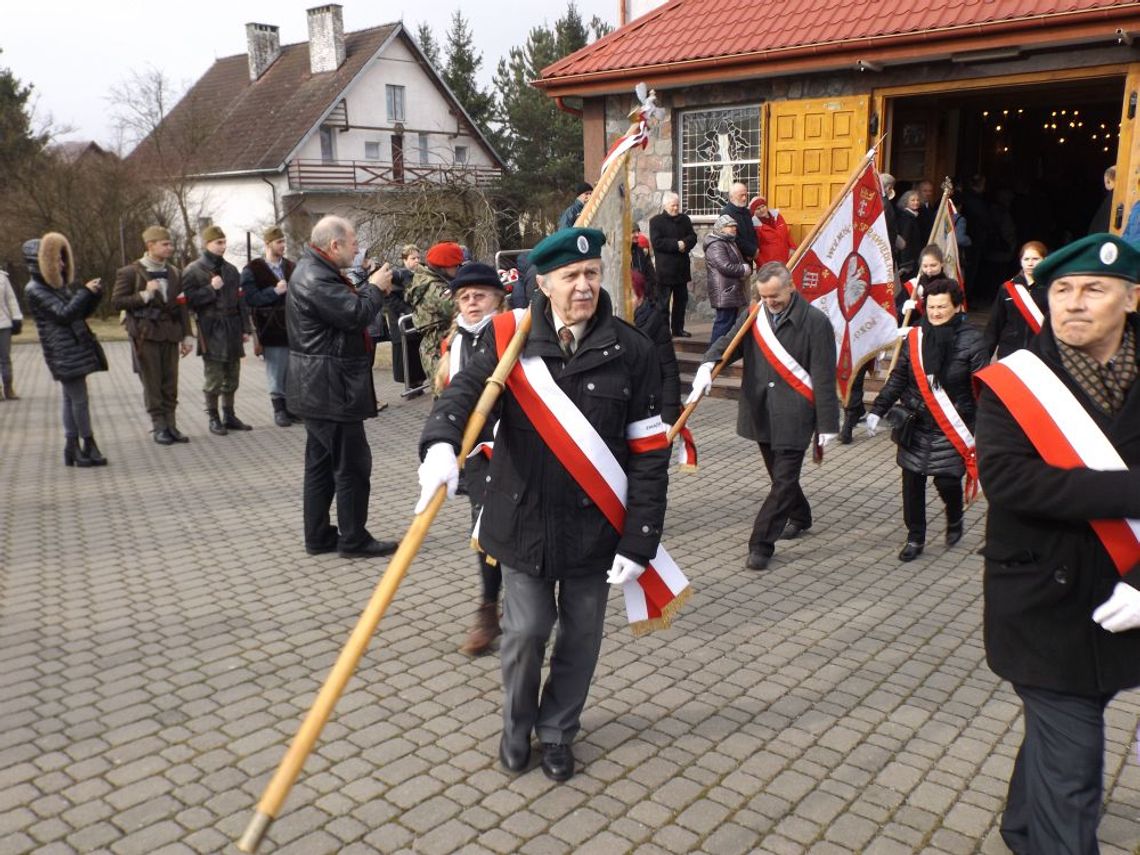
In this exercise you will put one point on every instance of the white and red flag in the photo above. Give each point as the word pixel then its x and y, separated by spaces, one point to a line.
pixel 848 273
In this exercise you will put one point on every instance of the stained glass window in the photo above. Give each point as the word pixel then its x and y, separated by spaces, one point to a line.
pixel 718 146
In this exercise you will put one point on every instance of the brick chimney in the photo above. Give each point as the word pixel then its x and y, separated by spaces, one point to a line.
pixel 326 38
pixel 263 41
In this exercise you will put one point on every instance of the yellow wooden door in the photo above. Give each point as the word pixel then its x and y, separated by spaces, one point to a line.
pixel 1127 191
pixel 812 146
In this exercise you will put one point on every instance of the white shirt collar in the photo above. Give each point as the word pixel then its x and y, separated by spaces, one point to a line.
pixel 577 330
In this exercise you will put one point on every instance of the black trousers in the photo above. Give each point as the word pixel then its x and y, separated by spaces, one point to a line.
pixel 338 462
pixel 1054 793
pixel 914 502
pixel 679 291
pixel 855 408
pixel 786 501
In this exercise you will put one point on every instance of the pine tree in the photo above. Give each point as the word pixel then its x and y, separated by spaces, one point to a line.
pixel 426 41
pixel 18 144
pixel 463 64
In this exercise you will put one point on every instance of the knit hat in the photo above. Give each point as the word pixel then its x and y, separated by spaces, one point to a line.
pixel 212 233
pixel 155 233
pixel 273 233
pixel 722 222
pixel 756 202
pixel 567 246
pixel 1095 255
pixel 477 273
pixel 446 254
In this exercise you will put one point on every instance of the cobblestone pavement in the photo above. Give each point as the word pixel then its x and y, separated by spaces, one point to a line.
pixel 162 632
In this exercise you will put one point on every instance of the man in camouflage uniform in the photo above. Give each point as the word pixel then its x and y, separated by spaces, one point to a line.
pixel 430 298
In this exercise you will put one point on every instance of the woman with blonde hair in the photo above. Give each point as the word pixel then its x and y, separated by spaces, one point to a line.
pixel 61 309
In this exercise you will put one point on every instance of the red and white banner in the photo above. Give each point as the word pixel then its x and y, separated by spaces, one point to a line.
pixel 1028 309
pixel 848 273
pixel 686 453
pixel 945 414
pixel 1065 436
pixel 794 374
pixel 651 601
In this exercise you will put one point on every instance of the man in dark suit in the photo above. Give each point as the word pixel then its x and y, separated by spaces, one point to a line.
pixel 786 400
pixel 1062 591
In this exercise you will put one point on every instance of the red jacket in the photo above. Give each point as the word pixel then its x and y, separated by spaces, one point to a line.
pixel 774 239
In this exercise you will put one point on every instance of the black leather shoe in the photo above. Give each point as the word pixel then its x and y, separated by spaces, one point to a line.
pixel 513 758
pixel 281 419
pixel 848 429
pixel 683 334
pixel 371 549
pixel 792 531
pixel 164 437
pixel 557 761
pixel 178 435
pixel 320 550
pixel 757 561
pixel 911 551
pixel 954 532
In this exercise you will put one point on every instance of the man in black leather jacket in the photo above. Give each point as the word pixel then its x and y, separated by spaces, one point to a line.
pixel 329 385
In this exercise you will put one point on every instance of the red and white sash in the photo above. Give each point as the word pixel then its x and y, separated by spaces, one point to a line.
pixel 1019 294
pixel 912 288
pixel 947 417
pixel 1065 436
pixel 686 453
pixel 652 601
pixel 777 355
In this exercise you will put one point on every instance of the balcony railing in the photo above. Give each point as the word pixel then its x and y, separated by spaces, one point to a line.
pixel 366 175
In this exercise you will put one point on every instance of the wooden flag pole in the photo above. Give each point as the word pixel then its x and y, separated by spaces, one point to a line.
pixel 290 767
pixel 805 244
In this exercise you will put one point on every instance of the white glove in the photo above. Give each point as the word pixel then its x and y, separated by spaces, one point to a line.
pixel 825 438
pixel 702 383
pixel 624 570
pixel 872 424
pixel 902 332
pixel 1121 611
pixel 439 467
pixel 909 306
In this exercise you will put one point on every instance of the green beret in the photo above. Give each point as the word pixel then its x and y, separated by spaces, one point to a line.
pixel 566 246
pixel 212 233
pixel 1095 255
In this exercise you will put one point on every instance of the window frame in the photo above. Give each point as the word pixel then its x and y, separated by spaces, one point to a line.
pixel 396 96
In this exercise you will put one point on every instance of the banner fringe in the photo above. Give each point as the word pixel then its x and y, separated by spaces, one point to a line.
pixel 668 614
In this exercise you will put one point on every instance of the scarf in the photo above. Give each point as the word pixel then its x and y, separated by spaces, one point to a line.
pixel 474 329
pixel 938 347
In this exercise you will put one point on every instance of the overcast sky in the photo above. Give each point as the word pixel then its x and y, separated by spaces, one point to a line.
pixel 74 52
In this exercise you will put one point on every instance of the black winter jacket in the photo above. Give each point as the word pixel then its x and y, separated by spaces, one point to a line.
pixel 770 410
pixel 911 232
pixel 69 345
pixel 1045 569
pixel 746 238
pixel 930 452
pixel 664 233
pixel 330 352
pixel 536 518
pixel 649 320
pixel 267 307
pixel 1007 330
pixel 727 272
pixel 527 284
pixel 222 314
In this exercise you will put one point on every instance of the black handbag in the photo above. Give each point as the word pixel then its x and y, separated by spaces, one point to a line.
pixel 17 326
pixel 902 421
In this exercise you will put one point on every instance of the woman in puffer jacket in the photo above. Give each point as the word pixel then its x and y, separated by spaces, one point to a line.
pixel 70 347
pixel 952 351
pixel 728 274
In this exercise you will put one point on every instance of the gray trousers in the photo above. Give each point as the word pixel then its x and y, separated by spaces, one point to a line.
pixel 530 608
pixel 1053 805
pixel 76 413
pixel 6 355
pixel 276 370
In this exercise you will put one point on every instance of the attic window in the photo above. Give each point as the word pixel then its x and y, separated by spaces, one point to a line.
pixel 395 98
pixel 718 146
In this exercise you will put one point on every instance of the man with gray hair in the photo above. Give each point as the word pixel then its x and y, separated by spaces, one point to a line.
pixel 672 235
pixel 737 208
pixel 329 385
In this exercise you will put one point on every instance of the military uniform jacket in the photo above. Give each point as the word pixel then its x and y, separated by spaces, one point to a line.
pixel 160 318
pixel 770 410
pixel 536 518
pixel 433 309
pixel 1045 569
pixel 222 315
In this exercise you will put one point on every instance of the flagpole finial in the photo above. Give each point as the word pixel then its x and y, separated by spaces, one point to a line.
pixel 947 184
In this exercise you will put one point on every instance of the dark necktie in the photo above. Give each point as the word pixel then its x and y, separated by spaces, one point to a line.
pixel 566 339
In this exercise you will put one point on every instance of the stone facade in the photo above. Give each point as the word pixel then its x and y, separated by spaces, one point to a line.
pixel 326 38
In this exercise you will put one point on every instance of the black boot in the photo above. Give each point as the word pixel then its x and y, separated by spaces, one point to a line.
pixel 954 531
pixel 70 450
pixel 10 391
pixel 92 453
pixel 911 551
pixel 232 422
pixel 280 417
pixel 216 426
pixel 82 458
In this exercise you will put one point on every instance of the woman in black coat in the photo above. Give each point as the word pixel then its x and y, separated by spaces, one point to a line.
pixel 910 233
pixel 70 348
pixel 1007 330
pixel 650 321
pixel 951 352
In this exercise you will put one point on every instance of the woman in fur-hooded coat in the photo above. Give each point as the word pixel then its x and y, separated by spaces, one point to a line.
pixel 61 308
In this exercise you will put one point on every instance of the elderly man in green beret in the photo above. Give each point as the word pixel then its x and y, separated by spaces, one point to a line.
pixel 1059 459
pixel 595 395
pixel 149 294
